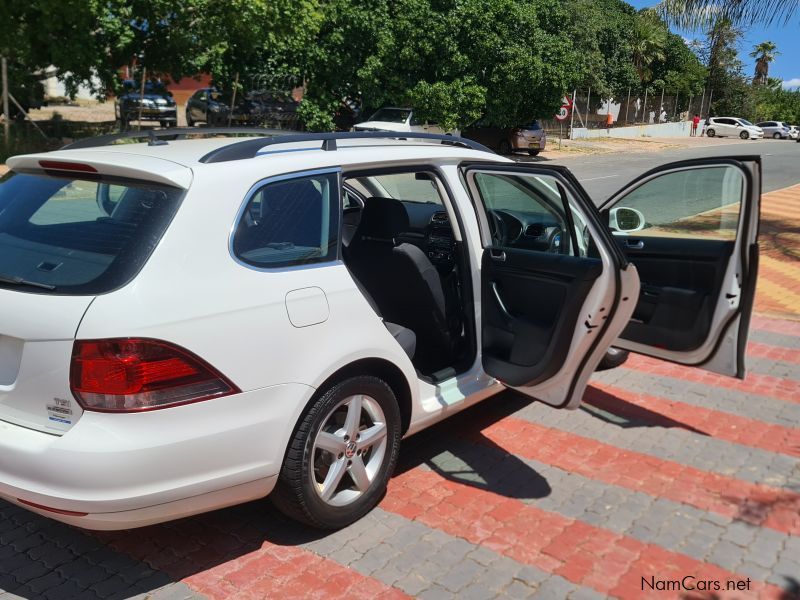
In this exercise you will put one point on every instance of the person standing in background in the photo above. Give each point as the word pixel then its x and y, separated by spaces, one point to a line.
pixel 695 123
pixel 609 120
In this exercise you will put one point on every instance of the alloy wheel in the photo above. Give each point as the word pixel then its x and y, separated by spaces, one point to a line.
pixel 349 450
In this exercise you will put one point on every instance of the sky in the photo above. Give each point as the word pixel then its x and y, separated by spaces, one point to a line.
pixel 786 65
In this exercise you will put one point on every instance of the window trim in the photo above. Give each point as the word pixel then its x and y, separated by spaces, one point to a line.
pixel 256 187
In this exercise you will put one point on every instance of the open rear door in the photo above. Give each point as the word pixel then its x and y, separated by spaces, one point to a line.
pixel 556 290
pixel 691 230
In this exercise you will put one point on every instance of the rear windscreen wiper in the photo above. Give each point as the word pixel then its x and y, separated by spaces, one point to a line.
pixel 20 281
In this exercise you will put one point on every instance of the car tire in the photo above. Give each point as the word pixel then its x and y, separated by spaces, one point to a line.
pixel 744 135
pixel 613 358
pixel 777 135
pixel 504 147
pixel 533 152
pixel 710 133
pixel 189 122
pixel 122 123
pixel 322 487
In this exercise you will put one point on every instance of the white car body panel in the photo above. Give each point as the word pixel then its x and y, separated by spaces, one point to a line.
pixel 277 334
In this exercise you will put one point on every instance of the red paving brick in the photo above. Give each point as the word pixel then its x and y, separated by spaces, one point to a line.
pixel 225 566
pixel 589 556
pixel 670 413
pixel 775 325
pixel 754 383
pixel 756 504
pixel 789 355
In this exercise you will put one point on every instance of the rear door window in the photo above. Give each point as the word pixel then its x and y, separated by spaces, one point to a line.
pixel 289 222
pixel 62 235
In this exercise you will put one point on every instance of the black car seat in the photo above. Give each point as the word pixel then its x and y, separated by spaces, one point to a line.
pixel 402 281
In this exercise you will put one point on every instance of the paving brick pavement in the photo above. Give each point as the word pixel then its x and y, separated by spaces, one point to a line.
pixel 664 472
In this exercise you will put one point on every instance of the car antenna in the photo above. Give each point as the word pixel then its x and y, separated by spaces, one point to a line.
pixel 152 140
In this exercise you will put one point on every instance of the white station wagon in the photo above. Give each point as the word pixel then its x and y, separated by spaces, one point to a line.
pixel 188 324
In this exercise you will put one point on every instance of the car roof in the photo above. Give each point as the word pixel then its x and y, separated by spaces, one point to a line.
pixel 174 162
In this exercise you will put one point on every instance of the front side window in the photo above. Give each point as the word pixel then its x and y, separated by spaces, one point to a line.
pixel 64 235
pixel 290 222
pixel 701 203
pixel 532 212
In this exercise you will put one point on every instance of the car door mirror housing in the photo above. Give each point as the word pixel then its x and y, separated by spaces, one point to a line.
pixel 625 219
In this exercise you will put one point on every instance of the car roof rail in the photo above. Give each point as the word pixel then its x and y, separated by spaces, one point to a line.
pixel 154 136
pixel 251 148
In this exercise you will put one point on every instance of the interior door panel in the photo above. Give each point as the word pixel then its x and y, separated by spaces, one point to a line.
pixel 680 281
pixel 531 302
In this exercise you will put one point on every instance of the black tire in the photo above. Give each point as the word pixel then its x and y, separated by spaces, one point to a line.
pixel 744 135
pixel 504 147
pixel 777 135
pixel 614 358
pixel 533 152
pixel 295 494
pixel 710 133
pixel 189 122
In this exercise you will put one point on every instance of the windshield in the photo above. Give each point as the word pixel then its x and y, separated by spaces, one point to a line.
pixel 391 115
pixel 62 235
pixel 746 122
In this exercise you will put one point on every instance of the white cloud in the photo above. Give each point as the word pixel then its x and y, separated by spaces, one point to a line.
pixel 791 83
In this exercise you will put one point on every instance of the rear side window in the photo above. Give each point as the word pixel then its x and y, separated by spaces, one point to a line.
pixel 290 222
pixel 61 235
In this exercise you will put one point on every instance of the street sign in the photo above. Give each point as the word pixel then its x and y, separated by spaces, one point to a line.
pixel 563 112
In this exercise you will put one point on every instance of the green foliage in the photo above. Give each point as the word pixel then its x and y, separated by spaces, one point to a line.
pixel 776 104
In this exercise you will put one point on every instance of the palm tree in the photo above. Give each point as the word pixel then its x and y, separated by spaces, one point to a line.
pixel 764 53
pixel 699 14
pixel 647 43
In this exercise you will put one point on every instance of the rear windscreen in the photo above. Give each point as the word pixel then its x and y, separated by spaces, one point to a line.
pixel 63 235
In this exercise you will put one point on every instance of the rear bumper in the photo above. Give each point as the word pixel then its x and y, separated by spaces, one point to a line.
pixel 521 143
pixel 153 114
pixel 129 470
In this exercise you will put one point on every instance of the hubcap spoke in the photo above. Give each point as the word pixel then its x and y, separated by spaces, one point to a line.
pixel 330 442
pixel 333 478
pixel 359 474
pixel 353 419
pixel 371 436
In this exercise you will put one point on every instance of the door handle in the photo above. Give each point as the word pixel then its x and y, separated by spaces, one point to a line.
pixel 498 255
pixel 634 244
pixel 500 302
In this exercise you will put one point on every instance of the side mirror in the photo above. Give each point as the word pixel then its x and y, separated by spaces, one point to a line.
pixel 625 219
pixel 738 124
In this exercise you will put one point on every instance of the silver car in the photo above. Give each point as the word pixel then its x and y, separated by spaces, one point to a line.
pixel 775 129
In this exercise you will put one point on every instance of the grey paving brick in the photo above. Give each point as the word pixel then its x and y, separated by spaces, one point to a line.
pixel 517 589
pixel 174 591
pixel 436 592
pixel 555 587
pixel 375 558
pixel 412 584
pixel 727 555
pixel 69 590
pixel 460 575
pixel 477 591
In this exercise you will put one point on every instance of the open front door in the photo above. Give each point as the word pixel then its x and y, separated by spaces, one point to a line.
pixel 556 290
pixel 691 228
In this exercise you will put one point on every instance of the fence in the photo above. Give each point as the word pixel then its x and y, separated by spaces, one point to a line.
pixel 645 107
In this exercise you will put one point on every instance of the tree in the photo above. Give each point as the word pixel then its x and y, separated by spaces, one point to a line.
pixel 649 37
pixel 764 53
pixel 88 41
pixel 699 14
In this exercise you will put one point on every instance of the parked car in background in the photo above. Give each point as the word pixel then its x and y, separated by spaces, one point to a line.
pixel 505 140
pixel 212 107
pixel 392 118
pixel 156 104
pixel 268 108
pixel 794 131
pixel 775 129
pixel 203 322
pixel 733 126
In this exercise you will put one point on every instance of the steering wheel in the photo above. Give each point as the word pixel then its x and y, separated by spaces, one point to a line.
pixel 554 241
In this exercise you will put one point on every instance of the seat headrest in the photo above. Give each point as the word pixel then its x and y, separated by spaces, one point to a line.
pixel 382 218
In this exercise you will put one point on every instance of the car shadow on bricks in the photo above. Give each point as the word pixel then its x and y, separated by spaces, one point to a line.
pixel 616 411
pixel 41 558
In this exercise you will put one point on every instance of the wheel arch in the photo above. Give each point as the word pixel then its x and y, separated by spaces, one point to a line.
pixel 377 367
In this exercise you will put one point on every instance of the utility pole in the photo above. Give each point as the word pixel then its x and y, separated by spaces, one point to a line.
pixel 233 98
pixel 572 115
pixel 141 98
pixel 6 119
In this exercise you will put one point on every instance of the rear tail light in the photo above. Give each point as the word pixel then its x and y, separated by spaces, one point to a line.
pixel 130 375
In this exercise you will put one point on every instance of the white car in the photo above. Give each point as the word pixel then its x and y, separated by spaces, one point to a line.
pixel 794 131
pixel 776 130
pixel 187 325
pixel 391 118
pixel 733 126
